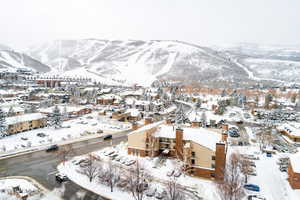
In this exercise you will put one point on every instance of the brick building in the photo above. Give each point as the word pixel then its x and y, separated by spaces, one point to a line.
pixel 202 150
pixel 294 171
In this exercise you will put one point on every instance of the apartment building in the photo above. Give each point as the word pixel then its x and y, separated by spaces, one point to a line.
pixel 294 171
pixel 202 150
pixel 290 130
pixel 25 122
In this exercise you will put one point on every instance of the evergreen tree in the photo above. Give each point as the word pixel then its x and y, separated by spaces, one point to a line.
pixel 56 118
pixel 3 125
pixel 203 119
pixel 180 116
pixel 223 94
pixel 10 112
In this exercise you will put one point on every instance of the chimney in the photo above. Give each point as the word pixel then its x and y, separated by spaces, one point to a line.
pixel 179 142
pixel 134 126
pixel 169 121
pixel 225 127
pixel 224 136
pixel 148 120
pixel 220 160
pixel 195 124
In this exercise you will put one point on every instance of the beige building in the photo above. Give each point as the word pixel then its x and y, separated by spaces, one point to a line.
pixel 202 150
pixel 291 130
pixel 25 122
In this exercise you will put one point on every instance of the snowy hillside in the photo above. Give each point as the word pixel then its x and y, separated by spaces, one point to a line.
pixel 136 61
pixel 12 60
pixel 268 62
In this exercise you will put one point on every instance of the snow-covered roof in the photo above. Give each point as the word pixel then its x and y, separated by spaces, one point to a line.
pixel 132 92
pixel 295 162
pixel 291 128
pixel 147 127
pixel 133 112
pixel 62 109
pixel 202 136
pixel 24 118
pixel 109 96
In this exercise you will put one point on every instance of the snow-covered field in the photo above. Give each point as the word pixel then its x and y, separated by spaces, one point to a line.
pixel 80 127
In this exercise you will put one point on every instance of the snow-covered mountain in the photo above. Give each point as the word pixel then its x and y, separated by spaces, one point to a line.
pixel 142 62
pixel 12 60
pixel 139 61
pixel 268 62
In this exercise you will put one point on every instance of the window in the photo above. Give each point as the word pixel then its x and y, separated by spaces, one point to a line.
pixel 193 161
pixel 213 157
pixel 213 166
pixel 193 154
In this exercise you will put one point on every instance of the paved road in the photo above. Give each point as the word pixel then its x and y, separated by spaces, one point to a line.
pixel 42 166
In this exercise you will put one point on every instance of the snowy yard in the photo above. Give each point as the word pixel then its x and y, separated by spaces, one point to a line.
pixel 25 187
pixel 160 169
pixel 72 129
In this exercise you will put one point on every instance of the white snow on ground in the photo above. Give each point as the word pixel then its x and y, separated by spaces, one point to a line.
pixel 24 184
pixel 78 128
pixel 168 66
pixel 272 182
pixel 27 187
pixel 156 167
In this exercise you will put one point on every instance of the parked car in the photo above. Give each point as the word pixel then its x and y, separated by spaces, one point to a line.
pixel 41 135
pixel 269 154
pixel 130 162
pixel 52 148
pixel 255 197
pixel 177 173
pixel 170 173
pixel 234 134
pixel 100 131
pixel 107 153
pixel 61 177
pixel 160 195
pixel 150 192
pixel 252 187
pixel 24 138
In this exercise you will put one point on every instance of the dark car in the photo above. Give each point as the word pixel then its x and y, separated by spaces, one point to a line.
pixel 61 178
pixel 107 137
pixel 252 187
pixel 52 148
pixel 41 134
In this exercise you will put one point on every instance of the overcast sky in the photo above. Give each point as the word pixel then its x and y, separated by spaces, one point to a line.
pixel 26 22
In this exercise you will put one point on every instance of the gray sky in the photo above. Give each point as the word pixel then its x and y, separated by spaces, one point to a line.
pixel 204 22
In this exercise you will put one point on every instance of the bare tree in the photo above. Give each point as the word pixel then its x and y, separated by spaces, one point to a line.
pixel 111 175
pixel 65 152
pixel 90 169
pixel 137 180
pixel 264 138
pixel 231 187
pixel 174 190
pixel 245 167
